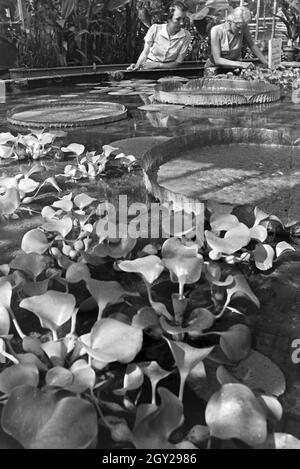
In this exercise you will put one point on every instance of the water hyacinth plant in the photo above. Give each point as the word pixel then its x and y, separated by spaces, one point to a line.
pixel 123 329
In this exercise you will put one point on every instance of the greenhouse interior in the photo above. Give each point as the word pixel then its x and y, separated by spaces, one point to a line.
pixel 149 227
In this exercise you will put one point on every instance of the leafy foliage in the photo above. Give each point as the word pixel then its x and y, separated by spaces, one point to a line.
pixel 119 328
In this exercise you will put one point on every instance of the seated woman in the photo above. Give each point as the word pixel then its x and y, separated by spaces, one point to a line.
pixel 166 45
pixel 226 41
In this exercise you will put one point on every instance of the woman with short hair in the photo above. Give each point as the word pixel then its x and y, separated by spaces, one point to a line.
pixel 226 41
pixel 166 45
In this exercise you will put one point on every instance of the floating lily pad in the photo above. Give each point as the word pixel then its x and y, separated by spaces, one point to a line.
pixel 160 107
pixel 69 95
pixel 173 78
pixel 120 92
pixel 83 84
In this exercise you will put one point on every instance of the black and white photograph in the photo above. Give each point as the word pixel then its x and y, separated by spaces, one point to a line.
pixel 149 228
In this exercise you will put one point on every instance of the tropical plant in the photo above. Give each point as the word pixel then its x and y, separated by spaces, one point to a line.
pixel 289 14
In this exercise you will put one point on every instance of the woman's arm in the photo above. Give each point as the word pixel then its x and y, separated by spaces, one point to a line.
pixel 256 51
pixel 216 53
pixel 142 58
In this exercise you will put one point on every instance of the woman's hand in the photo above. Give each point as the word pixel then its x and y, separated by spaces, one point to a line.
pixel 247 65
pixel 132 67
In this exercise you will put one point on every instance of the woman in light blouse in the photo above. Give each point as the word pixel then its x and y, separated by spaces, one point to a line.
pixel 166 45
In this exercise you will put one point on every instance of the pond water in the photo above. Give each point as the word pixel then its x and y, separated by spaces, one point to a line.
pixel 261 175
pixel 278 324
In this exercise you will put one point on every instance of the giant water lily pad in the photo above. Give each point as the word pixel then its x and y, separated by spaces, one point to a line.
pixel 66 114
pixel 160 107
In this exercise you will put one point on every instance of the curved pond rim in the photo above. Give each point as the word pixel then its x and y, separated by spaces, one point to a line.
pixel 164 152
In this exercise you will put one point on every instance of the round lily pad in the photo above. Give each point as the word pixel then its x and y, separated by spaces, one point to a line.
pixel 121 92
pixel 160 107
pixel 69 95
pixel 66 114
pixel 175 78
pixel 83 84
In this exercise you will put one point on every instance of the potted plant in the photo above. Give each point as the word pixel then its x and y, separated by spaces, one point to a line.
pixel 289 14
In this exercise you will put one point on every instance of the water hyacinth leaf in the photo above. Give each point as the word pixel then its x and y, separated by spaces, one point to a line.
pixel 171 328
pixel 224 377
pixel 35 288
pixel 198 434
pixel 52 181
pixel 84 377
pixel 53 308
pixel 259 233
pixel 145 317
pixel 56 350
pixel 236 342
pixel 259 215
pixel 31 359
pixel 133 379
pixel 75 148
pixel 259 373
pixel 4 269
pixel 28 185
pixel 31 263
pixel 4 320
pixel 40 419
pixel 6 137
pixel 2 349
pixel 220 283
pixel 155 373
pixel 150 249
pixel 154 425
pixel 234 412
pixel 240 288
pixel 5 294
pixel 17 375
pixel 10 201
pixel 184 263
pixel 48 212
pixel 280 441
pixel 223 222
pixel 186 358
pixel 199 320
pixel 149 267
pixel 112 340
pixel 6 151
pixel 106 293
pixel 263 256
pixel 63 226
pixel 272 406
pixel 119 429
pixel 108 149
pixel 34 241
pixel 83 200
pixel 234 239
pixel 282 247
pixel 114 250
pixel 32 345
pixel 77 272
pixel 59 377
pixel 64 204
